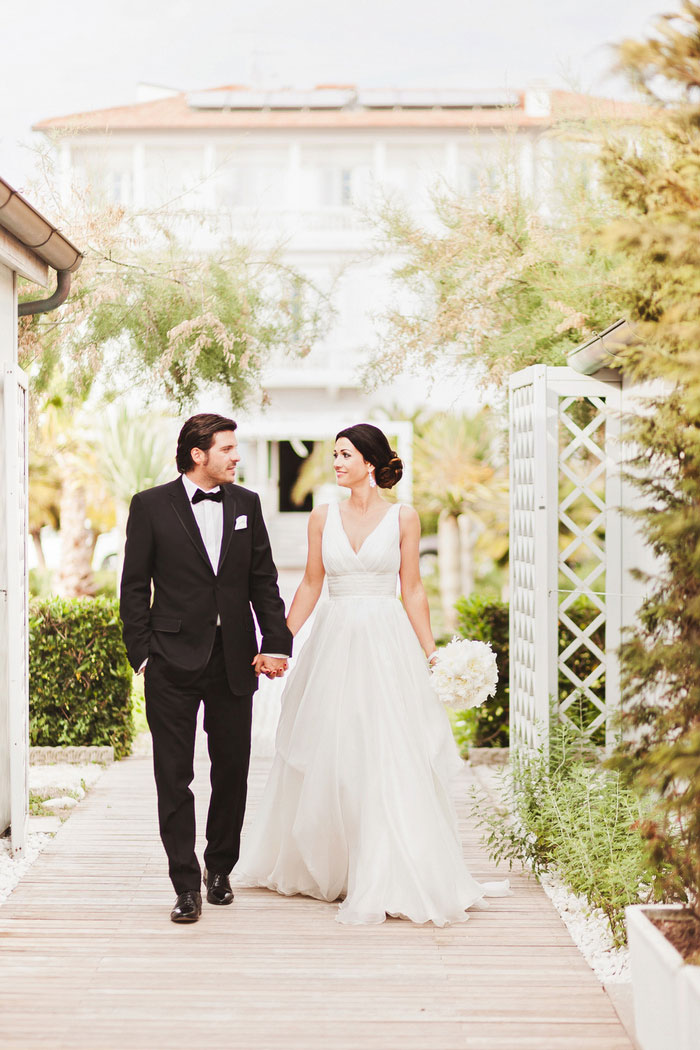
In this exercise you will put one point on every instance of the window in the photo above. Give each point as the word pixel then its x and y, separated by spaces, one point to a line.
pixel 335 176
pixel 251 186
pixel 251 177
pixel 336 187
pixel 174 174
pixel 106 171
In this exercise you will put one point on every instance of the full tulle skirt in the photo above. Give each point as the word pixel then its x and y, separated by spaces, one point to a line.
pixel 357 806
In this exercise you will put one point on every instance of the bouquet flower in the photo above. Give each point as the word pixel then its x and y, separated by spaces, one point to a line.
pixel 465 673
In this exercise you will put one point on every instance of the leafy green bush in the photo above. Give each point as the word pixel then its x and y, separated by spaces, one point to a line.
pixel 569 815
pixel 79 675
pixel 486 620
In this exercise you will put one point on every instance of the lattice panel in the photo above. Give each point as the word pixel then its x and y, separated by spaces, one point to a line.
pixel 523 697
pixel 582 561
pixel 565 554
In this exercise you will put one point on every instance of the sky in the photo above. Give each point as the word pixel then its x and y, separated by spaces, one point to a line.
pixel 83 55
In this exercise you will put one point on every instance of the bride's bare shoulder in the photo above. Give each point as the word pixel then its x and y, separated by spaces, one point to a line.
pixel 318 516
pixel 409 516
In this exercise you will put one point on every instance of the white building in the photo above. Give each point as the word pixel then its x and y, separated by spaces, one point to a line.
pixel 30 247
pixel 301 167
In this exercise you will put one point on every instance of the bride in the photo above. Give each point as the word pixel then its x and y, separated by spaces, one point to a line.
pixel 357 807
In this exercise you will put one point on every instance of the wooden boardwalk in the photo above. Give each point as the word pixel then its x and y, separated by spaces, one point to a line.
pixel 89 959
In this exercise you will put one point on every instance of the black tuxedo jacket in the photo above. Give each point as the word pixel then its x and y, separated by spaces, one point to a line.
pixel 164 548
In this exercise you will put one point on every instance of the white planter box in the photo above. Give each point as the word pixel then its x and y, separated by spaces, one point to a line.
pixel 666 990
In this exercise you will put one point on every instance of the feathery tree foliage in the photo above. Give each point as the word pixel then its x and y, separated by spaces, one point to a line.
pixel 493 285
pixel 150 312
pixel 147 318
pixel 659 237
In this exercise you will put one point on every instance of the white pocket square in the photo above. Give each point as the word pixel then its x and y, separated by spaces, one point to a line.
pixel 241 522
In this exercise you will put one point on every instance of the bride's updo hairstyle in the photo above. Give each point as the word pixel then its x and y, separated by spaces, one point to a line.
pixel 373 446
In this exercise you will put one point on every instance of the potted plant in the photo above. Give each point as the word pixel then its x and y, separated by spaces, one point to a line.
pixel 666 988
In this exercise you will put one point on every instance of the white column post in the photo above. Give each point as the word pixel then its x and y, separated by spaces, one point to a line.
pixel 8 351
pixel 294 202
pixel 546 550
pixel 613 556
pixel 139 175
pixel 404 443
pixel 15 525
pixel 451 164
pixel 379 161
pixel 208 186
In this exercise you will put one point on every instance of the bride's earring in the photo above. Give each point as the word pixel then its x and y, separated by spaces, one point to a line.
pixel 372 482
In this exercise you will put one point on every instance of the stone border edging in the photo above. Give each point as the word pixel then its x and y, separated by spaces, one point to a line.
pixel 489 756
pixel 78 755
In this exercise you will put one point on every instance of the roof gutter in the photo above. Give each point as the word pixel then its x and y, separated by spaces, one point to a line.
pixel 31 229
pixel 603 351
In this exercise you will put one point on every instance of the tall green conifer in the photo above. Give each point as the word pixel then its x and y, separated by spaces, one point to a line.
pixel 657 181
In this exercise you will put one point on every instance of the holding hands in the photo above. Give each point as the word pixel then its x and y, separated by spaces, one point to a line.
pixel 271 666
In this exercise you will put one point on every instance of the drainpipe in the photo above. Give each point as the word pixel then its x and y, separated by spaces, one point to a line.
pixel 41 306
pixel 28 226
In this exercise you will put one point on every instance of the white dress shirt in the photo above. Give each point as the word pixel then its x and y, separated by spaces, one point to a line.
pixel 210 519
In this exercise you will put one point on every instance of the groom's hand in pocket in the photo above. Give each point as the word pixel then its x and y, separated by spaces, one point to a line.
pixel 271 666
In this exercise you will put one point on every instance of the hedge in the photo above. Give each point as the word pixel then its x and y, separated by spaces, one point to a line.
pixel 486 619
pixel 79 675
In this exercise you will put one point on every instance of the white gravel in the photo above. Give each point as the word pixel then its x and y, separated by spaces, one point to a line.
pixel 13 868
pixel 63 784
pixel 590 931
pixel 63 779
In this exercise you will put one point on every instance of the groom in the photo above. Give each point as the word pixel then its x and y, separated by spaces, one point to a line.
pixel 197 557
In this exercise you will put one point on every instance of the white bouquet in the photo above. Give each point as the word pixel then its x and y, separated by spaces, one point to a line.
pixel 465 673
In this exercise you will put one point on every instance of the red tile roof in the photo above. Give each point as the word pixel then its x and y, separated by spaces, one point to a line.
pixel 175 113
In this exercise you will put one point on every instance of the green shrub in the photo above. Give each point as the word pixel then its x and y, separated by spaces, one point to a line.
pixel 486 620
pixel 569 815
pixel 79 675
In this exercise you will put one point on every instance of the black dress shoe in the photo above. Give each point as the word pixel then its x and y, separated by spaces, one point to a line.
pixel 188 907
pixel 218 888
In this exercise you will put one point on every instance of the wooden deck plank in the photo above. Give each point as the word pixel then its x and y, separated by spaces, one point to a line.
pixel 89 959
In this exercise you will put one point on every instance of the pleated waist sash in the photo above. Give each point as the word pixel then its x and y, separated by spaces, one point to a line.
pixel 362 585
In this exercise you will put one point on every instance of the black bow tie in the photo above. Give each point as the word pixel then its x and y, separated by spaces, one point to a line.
pixel 216 497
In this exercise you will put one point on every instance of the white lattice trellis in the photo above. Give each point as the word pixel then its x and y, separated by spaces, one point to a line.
pixel 565 556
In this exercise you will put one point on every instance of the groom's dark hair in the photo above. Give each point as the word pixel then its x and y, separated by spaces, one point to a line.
pixel 198 432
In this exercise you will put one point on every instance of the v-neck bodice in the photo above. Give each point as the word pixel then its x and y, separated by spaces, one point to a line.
pixel 370 571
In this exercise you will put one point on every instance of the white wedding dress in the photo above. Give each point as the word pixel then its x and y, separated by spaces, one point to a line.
pixel 357 805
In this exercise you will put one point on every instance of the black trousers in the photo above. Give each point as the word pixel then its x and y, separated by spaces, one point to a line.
pixel 172 703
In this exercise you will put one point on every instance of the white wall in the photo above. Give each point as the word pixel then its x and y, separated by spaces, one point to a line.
pixel 8 344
